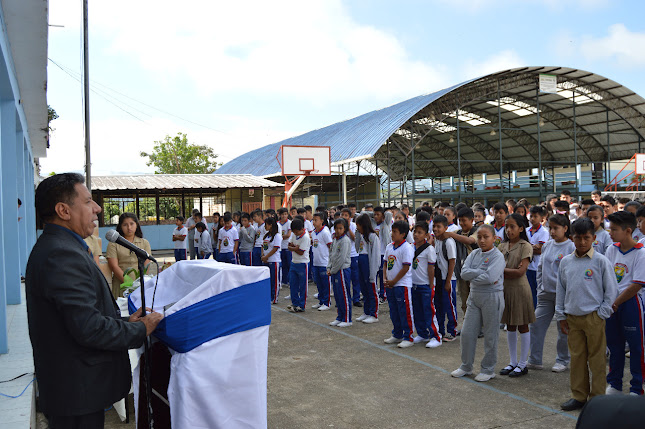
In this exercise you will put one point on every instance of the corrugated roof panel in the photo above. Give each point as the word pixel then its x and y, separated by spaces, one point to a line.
pixel 180 181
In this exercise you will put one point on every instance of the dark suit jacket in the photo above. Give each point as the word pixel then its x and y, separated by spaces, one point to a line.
pixel 79 339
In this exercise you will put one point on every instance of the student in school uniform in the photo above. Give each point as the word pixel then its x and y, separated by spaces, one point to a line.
pixel 321 243
pixel 585 293
pixel 299 244
pixel 501 212
pixel 397 278
pixel 547 279
pixel 603 240
pixel 608 204
pixel 346 214
pixel 484 269
pixel 518 302
pixel 338 269
pixel 451 214
pixel 271 242
pixel 640 223
pixel 229 241
pixel 626 324
pixel 285 254
pixel 179 239
pixel 381 226
pixel 205 248
pixel 368 247
pixel 425 316
pixel 247 239
pixel 260 231
pixel 197 217
pixel 446 281
pixel 537 235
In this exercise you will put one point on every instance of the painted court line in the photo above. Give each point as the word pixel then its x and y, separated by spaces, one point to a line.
pixel 429 365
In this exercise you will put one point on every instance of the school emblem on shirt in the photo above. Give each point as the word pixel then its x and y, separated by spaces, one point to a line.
pixel 498 241
pixel 258 234
pixel 390 262
pixel 265 246
pixel 559 258
pixel 595 243
pixel 360 248
pixel 485 262
pixel 415 263
pixel 620 270
pixel 378 231
pixel 225 242
pixel 588 274
pixel 316 243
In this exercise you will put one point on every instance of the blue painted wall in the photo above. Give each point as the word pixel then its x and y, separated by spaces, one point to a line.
pixel 159 236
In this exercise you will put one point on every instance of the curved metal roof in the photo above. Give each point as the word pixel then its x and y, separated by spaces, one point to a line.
pixel 609 124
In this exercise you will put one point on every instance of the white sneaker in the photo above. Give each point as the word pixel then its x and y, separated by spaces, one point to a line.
pixel 459 373
pixel 433 343
pixel 611 391
pixel 481 377
pixel 634 394
pixel 419 338
pixel 344 324
pixel 392 340
pixel 287 297
pixel 370 319
pixel 334 323
pixel 405 344
pixel 362 317
pixel 538 367
pixel 558 367
pixel 323 308
pixel 315 295
pixel 315 306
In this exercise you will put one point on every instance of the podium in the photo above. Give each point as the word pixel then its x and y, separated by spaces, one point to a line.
pixel 216 329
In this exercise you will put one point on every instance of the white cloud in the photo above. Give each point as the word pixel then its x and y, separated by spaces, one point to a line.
pixel 502 60
pixel 620 45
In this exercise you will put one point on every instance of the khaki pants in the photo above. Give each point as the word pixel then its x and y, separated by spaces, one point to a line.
pixel 464 289
pixel 587 344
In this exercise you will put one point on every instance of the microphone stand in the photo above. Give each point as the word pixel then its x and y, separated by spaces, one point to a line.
pixel 146 345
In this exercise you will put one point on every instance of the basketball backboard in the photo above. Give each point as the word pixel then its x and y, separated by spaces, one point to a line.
pixel 640 163
pixel 305 160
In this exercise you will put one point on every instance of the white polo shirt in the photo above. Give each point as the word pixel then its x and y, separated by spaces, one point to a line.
pixel 395 258
pixel 320 245
pixel 420 265
pixel 269 243
pixel 304 243
pixel 179 232
pixel 227 239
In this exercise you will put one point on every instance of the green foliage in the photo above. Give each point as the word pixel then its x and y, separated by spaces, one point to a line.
pixel 51 116
pixel 177 156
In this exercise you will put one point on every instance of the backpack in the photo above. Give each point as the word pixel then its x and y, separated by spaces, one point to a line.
pixel 462 254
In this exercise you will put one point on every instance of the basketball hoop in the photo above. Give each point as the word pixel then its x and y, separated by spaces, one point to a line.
pixel 300 162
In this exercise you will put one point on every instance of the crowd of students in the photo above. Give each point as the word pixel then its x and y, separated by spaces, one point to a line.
pixel 516 266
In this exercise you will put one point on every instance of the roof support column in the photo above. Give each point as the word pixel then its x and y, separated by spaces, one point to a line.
pixel 358 169
pixel 183 204
pixel 157 207
pixel 389 174
pixel 458 157
pixel 378 183
pixel 575 145
pixel 404 182
pixel 414 184
pixel 539 140
pixel 201 208
pixel 608 175
pixel 499 130
pixel 344 185
pixel 136 204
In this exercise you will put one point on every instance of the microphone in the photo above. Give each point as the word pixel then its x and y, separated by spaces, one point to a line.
pixel 114 237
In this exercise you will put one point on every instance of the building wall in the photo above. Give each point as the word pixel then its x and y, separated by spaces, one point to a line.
pixel 17 162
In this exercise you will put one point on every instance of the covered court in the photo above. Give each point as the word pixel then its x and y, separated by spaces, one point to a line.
pixel 524 132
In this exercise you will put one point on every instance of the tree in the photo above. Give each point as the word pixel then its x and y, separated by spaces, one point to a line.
pixel 51 116
pixel 177 156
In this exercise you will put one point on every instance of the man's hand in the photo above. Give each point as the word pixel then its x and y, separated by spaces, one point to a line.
pixel 448 286
pixel 264 258
pixel 564 327
pixel 136 316
pixel 151 320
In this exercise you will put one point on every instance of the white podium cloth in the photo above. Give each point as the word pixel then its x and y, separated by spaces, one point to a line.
pixel 218 333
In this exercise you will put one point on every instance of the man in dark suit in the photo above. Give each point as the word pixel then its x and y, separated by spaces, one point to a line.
pixel 79 338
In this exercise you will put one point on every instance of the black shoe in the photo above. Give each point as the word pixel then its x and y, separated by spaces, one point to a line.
pixel 358 304
pixel 481 335
pixel 572 404
pixel 520 373
pixel 299 310
pixel 507 370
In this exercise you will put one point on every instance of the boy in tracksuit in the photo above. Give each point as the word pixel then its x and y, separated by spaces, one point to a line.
pixel 397 278
pixel 299 244
pixel 247 239
pixel 285 254
pixel 626 324
pixel 585 292
pixel 228 241
pixel 446 281
pixel 338 268
pixel 320 244
pixel 346 214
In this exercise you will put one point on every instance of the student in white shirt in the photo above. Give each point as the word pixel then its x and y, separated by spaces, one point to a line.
pixel 271 242
pixel 446 282
pixel 321 243
pixel 285 254
pixel 228 241
pixel 205 248
pixel 537 235
pixel 397 278
pixel 179 239
pixel 346 214
pixel 299 244
pixel 256 254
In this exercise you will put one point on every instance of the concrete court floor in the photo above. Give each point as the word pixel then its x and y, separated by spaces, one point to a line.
pixel 320 376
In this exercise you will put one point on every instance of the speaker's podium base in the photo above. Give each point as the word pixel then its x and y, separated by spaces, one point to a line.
pixel 160 375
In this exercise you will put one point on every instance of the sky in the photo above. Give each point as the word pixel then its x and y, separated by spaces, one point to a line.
pixel 240 75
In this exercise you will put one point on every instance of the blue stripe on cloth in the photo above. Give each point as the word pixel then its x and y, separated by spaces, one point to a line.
pixel 241 309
